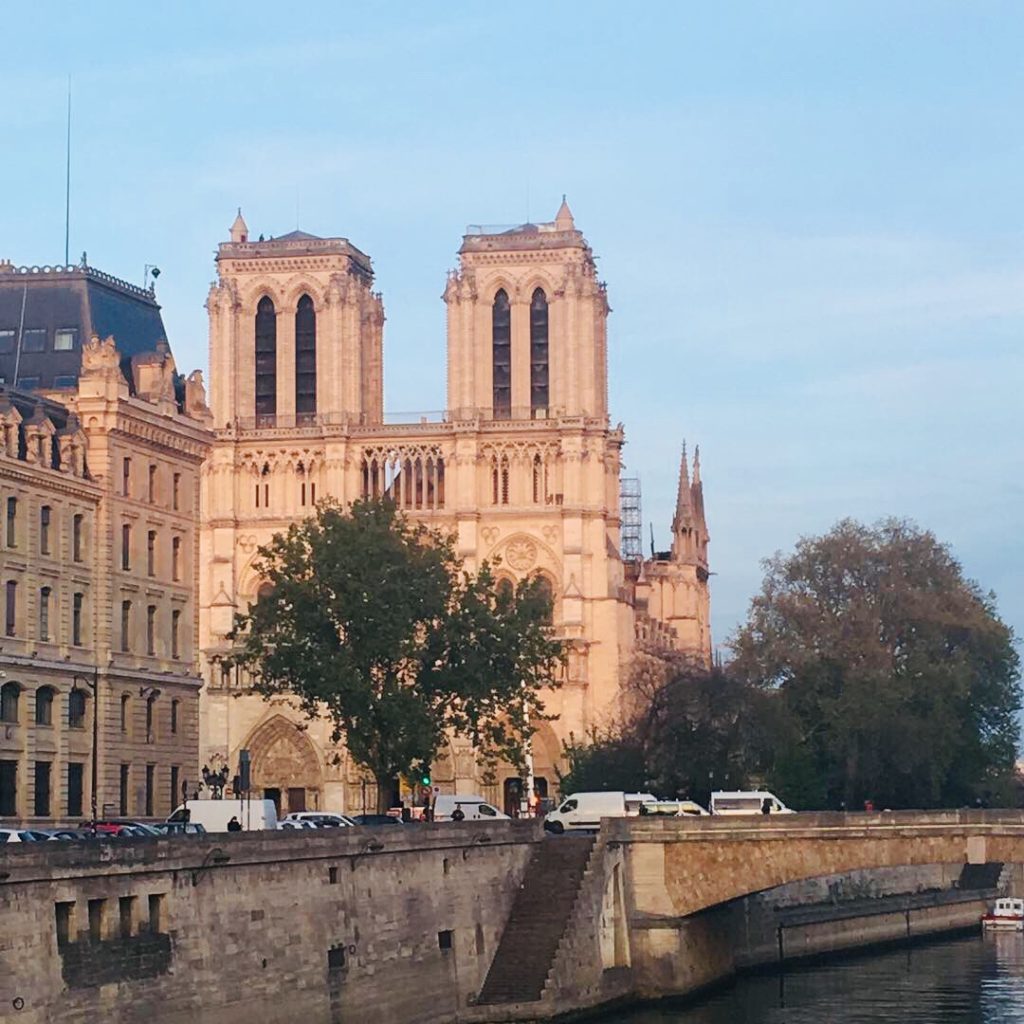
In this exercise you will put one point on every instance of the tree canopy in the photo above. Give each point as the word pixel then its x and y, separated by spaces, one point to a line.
pixel 370 620
pixel 891 676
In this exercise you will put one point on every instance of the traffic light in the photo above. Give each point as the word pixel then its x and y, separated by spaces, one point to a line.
pixel 425 778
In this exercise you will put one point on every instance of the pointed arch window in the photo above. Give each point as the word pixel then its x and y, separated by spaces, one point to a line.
pixel 501 354
pixel 305 360
pixel 266 358
pixel 538 352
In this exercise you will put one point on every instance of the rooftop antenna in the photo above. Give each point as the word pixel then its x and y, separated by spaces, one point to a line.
pixel 67 186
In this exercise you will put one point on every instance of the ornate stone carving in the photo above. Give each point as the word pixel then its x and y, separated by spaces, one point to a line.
pixel 99 355
pixel 490 534
pixel 521 553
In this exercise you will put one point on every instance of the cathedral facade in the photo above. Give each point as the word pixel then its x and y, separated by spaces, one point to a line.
pixel 523 469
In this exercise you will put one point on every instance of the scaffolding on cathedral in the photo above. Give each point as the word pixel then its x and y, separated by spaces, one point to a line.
pixel 632 519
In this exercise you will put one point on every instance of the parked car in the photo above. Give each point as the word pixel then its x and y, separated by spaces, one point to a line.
pixel 375 819
pixel 21 835
pixel 303 826
pixel 125 828
pixel 214 815
pixel 581 811
pixel 748 801
pixel 474 808
pixel 320 819
pixel 77 835
pixel 673 809
pixel 179 828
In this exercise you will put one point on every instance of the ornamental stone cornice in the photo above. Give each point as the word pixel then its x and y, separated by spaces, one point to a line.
pixel 32 475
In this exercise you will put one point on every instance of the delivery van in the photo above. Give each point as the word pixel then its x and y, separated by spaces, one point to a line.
pixel 214 815
pixel 585 810
pixel 474 808
pixel 747 801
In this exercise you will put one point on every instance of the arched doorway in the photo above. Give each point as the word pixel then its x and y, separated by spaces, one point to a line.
pixel 285 766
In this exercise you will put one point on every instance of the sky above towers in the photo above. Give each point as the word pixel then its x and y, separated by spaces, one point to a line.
pixel 808 216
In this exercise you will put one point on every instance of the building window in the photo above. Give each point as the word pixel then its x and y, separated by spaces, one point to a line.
pixel 126 547
pixel 176 491
pixel 7 341
pixel 76 776
pixel 44 613
pixel 44 705
pixel 76 709
pixel 126 622
pixel 151 553
pixel 34 340
pixel 12 522
pixel 8 789
pixel 44 529
pixel 123 789
pixel 176 559
pixel 151 485
pixel 538 351
pixel 175 627
pixel 501 355
pixel 11 610
pixel 305 360
pixel 10 695
pixel 151 629
pixel 174 787
pixel 65 380
pixel 266 358
pixel 41 802
pixel 499 480
pixel 174 717
pixel 76 537
pixel 546 597
pixel 150 774
pixel 76 619
pixel 126 477
pixel 64 339
pixel 125 708
pixel 150 718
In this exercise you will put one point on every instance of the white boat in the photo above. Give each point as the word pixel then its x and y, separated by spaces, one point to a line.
pixel 1007 915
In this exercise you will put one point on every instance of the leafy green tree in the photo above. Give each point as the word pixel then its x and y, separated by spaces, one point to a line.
pixel 893 678
pixel 691 730
pixel 370 621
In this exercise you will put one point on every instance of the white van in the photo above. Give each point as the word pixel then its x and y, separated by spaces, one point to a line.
pixel 747 801
pixel 585 810
pixel 214 815
pixel 475 808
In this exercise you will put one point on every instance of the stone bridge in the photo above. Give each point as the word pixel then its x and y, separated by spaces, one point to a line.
pixel 679 866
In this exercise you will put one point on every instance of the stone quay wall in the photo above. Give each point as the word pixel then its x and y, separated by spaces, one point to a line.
pixel 401 925
pixel 385 925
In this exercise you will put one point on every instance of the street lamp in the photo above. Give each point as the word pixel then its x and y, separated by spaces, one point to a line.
pixel 93 775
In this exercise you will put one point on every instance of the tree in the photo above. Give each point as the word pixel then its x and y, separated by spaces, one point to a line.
pixel 689 730
pixel 891 676
pixel 370 621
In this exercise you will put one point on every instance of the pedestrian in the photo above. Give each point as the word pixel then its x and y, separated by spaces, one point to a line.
pixel 234 825
pixel 766 806
pixel 458 814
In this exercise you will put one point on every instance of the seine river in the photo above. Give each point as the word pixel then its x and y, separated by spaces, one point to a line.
pixel 978 980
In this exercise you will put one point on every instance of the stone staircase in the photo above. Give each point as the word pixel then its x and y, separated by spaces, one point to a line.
pixel 537 922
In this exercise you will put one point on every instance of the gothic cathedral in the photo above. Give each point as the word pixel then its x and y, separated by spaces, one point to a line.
pixel 523 469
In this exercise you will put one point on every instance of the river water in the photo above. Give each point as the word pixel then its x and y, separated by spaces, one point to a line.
pixel 978 980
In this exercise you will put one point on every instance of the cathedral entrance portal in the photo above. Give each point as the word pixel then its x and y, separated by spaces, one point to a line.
pixel 285 766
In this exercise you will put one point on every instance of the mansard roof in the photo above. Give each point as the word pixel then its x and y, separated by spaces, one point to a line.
pixel 46 300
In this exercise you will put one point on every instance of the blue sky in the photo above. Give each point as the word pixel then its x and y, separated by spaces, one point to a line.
pixel 809 217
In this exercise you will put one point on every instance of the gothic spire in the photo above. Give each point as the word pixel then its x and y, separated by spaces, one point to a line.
pixel 684 501
pixel 239 230
pixel 563 219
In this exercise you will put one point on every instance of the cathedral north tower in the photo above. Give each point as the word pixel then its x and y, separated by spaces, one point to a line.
pixel 295 332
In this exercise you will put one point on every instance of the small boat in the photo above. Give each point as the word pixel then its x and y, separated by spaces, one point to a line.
pixel 1007 915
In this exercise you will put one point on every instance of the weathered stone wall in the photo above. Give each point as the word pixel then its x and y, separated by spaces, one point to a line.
pixel 388 925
